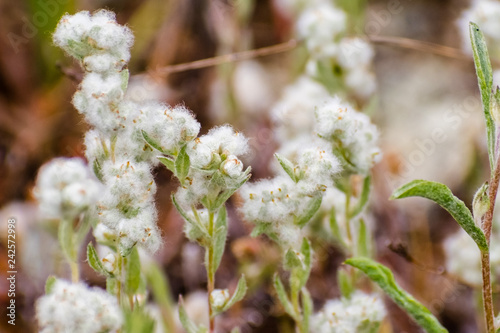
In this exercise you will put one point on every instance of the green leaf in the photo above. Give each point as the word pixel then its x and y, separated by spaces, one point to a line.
pixel 225 195
pixel 112 286
pixel 485 80
pixel 162 295
pixel 363 199
pixel 182 165
pixel 307 309
pixel 49 284
pixel 306 271
pixel 311 209
pixel 363 240
pixel 133 272
pixel 287 166
pixel 291 260
pixel 152 142
pixel 124 74
pixel 381 275
pixel 187 323
pixel 138 320
pixel 282 296
pixel 168 162
pixel 96 166
pixel 219 237
pixel 443 196
pixel 65 237
pixel 238 294
pixel 345 284
pixel 95 262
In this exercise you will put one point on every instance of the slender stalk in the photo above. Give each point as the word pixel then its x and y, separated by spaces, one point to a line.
pixel 210 270
pixel 487 293
pixel 119 281
pixel 75 271
pixel 485 255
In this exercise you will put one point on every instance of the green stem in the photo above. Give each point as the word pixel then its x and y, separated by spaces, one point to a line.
pixel 119 280
pixel 210 269
pixel 75 271
pixel 298 310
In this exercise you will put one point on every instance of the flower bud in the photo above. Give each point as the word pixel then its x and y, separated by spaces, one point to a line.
pixel 219 298
pixel 232 166
pixel 109 262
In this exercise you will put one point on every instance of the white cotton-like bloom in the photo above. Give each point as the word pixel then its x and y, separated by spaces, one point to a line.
pixel 140 229
pixel 486 14
pixel 219 298
pixel 361 81
pixel 98 100
pixel 292 114
pixel 83 34
pixel 77 308
pixel 103 234
pixel 320 26
pixel 65 188
pixel 318 166
pixel 361 312
pixel 353 136
pixel 109 262
pixel 355 52
pixel 232 167
pixel 169 127
pixel 103 63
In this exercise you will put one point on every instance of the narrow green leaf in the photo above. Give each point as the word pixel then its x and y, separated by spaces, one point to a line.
pixel 162 295
pixel 133 272
pixel 485 80
pixel 307 253
pixel 381 275
pixel 138 320
pixel 363 199
pixel 124 74
pixel 182 165
pixel 187 323
pixel 291 260
pixel 49 284
pixel 287 166
pixel 312 208
pixel 345 284
pixel 199 228
pixel 168 162
pixel 96 166
pixel 152 142
pixel 220 237
pixel 111 285
pixel 95 262
pixel 363 240
pixel 65 237
pixel 443 196
pixel 282 296
pixel 225 195
pixel 238 294
pixel 307 309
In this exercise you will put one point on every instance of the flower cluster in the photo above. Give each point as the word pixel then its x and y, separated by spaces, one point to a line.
pixel 353 136
pixel 65 188
pixel 77 308
pixel 359 313
pixel 281 206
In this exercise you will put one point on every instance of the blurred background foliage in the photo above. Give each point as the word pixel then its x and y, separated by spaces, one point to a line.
pixel 419 93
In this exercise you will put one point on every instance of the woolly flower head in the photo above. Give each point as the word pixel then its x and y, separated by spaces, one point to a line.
pixel 360 313
pixel 277 206
pixel 169 127
pixel 320 26
pixel 486 14
pixel 98 36
pixel 353 136
pixel 292 114
pixel 65 188
pixel 215 165
pixel 77 308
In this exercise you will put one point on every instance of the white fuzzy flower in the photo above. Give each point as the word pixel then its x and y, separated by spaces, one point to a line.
pixel 292 114
pixel 109 262
pixel 353 136
pixel 169 127
pixel 320 26
pixel 140 229
pixel 83 34
pixel 65 188
pixel 232 167
pixel 219 298
pixel 361 311
pixel 354 53
pixel 79 309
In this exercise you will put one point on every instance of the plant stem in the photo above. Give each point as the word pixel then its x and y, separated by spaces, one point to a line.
pixel 298 310
pixel 119 280
pixel 210 270
pixel 75 272
pixel 485 255
pixel 487 294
